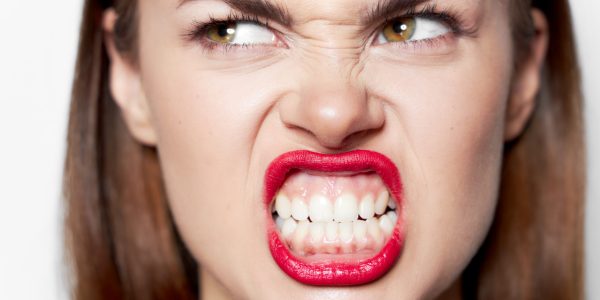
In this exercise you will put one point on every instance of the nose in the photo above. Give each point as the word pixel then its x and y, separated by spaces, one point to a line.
pixel 334 112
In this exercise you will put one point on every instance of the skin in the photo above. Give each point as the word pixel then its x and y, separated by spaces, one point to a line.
pixel 441 112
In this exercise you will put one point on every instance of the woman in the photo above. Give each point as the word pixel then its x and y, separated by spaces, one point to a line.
pixel 356 149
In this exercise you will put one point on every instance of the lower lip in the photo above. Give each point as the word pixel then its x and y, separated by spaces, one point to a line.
pixel 334 273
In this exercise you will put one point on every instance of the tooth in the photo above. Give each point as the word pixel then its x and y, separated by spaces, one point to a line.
pixel 346 232
pixel 386 224
pixel 279 222
pixel 360 232
pixel 299 209
pixel 393 217
pixel 392 203
pixel 346 208
pixel 331 231
pixel 366 207
pixel 381 202
pixel 374 230
pixel 320 209
pixel 317 231
pixel 288 228
pixel 300 235
pixel 283 206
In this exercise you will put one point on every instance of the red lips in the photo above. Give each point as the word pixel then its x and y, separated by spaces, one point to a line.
pixel 332 273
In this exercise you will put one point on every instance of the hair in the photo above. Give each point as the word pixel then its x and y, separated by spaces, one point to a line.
pixel 120 236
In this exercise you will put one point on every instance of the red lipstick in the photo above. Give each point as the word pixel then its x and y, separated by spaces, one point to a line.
pixel 334 273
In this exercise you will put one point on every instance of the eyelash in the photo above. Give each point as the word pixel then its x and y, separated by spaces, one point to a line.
pixel 451 19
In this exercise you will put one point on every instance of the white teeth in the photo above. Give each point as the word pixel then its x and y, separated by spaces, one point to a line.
pixel 381 202
pixel 366 208
pixel 300 235
pixel 346 208
pixel 331 231
pixel 393 217
pixel 373 229
pixel 317 224
pixel 360 232
pixel 299 209
pixel 317 231
pixel 288 228
pixel 320 209
pixel 346 232
pixel 392 203
pixel 386 224
pixel 283 206
pixel 279 222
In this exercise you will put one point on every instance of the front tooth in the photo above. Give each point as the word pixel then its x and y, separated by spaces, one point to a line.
pixel 381 202
pixel 346 232
pixel 386 224
pixel 288 228
pixel 331 231
pixel 300 235
pixel 366 207
pixel 299 209
pixel 393 216
pixel 317 231
pixel 320 209
pixel 283 206
pixel 346 208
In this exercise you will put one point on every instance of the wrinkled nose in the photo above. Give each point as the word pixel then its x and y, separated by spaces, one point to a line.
pixel 333 112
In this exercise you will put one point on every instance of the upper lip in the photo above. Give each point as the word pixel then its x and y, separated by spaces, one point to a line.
pixel 361 272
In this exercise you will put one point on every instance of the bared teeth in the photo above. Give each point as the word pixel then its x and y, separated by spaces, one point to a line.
pixel 366 207
pixel 299 209
pixel 346 208
pixel 331 231
pixel 288 228
pixel 381 202
pixel 345 227
pixel 283 206
pixel 386 224
pixel 320 209
pixel 328 214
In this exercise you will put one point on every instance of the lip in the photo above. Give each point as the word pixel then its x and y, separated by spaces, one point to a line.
pixel 334 273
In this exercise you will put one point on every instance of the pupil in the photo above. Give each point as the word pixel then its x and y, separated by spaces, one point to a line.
pixel 223 30
pixel 399 27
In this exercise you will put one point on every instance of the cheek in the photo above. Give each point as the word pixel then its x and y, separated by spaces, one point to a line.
pixel 448 122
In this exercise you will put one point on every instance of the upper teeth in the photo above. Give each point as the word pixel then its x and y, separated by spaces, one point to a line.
pixel 346 207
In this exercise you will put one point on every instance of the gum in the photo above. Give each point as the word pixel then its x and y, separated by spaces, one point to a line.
pixel 304 185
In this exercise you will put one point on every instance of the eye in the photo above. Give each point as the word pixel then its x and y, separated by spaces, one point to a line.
pixel 410 29
pixel 239 33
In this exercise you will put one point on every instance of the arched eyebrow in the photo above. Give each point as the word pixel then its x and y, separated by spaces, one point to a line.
pixel 280 14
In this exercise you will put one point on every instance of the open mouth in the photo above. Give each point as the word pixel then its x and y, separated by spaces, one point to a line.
pixel 334 219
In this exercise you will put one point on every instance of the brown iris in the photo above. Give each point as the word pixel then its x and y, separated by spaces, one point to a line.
pixel 399 30
pixel 222 33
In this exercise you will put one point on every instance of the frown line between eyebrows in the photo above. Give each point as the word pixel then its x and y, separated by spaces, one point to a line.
pixel 279 13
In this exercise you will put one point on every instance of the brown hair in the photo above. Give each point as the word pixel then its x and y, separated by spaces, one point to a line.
pixel 122 242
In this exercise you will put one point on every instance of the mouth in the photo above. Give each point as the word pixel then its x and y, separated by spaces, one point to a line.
pixel 334 220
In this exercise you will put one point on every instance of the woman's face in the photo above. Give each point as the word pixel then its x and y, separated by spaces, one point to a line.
pixel 426 86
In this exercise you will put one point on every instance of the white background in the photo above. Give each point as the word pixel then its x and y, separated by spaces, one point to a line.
pixel 37 49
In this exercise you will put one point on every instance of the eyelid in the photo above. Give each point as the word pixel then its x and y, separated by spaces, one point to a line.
pixel 197 32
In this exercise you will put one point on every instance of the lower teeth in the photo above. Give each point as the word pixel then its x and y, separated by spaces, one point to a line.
pixel 306 237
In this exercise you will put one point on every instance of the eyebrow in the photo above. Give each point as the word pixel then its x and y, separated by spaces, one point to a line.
pixel 280 14
pixel 261 8
pixel 387 8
